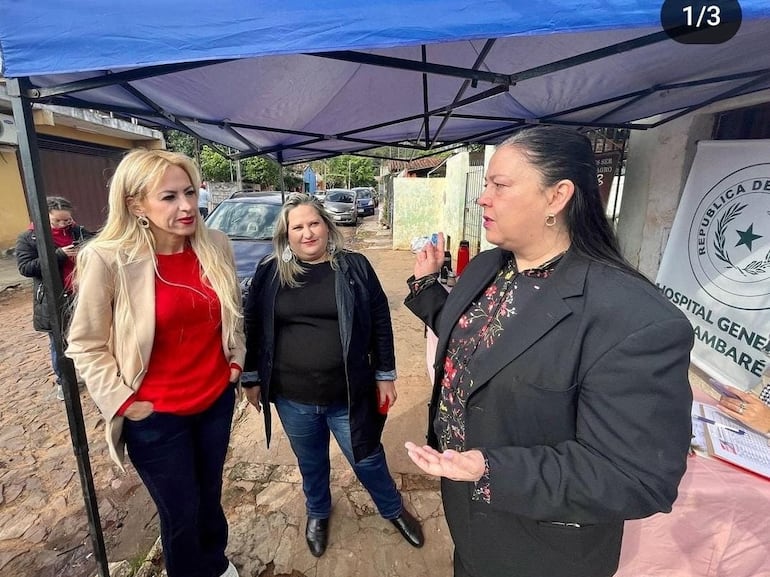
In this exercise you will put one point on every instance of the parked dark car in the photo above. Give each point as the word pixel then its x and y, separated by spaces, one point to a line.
pixel 365 201
pixel 248 219
pixel 340 204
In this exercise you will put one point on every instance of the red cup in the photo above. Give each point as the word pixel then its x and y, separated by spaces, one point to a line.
pixel 382 407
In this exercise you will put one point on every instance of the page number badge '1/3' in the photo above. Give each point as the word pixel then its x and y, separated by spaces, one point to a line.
pixel 701 21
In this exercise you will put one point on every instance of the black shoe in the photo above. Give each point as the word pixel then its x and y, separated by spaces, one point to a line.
pixel 410 529
pixel 317 535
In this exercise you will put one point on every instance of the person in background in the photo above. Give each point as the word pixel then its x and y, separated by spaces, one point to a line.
pixel 309 290
pixel 68 237
pixel 157 334
pixel 561 401
pixel 204 199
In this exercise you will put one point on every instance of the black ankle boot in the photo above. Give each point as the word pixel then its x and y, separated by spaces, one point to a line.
pixel 317 535
pixel 410 529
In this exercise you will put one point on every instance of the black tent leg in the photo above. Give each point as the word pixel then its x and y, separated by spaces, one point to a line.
pixel 36 201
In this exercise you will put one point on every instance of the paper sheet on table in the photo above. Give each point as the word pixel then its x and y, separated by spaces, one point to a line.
pixel 750 451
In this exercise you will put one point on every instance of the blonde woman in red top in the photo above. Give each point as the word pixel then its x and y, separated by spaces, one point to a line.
pixel 157 335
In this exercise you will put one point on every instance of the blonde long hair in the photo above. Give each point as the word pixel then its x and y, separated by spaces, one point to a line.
pixel 138 172
pixel 289 271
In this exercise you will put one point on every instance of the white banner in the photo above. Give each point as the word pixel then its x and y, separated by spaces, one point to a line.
pixel 716 266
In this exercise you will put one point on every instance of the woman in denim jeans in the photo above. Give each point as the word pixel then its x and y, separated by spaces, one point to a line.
pixel 157 335
pixel 320 346
pixel 68 237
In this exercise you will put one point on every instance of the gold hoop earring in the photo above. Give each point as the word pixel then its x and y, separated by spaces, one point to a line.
pixel 550 220
pixel 143 221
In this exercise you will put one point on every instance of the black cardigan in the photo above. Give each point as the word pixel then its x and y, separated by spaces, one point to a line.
pixel 366 333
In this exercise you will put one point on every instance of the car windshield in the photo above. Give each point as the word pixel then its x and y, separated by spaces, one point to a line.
pixel 363 194
pixel 340 197
pixel 245 220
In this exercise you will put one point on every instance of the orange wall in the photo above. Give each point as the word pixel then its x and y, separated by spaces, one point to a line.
pixel 13 216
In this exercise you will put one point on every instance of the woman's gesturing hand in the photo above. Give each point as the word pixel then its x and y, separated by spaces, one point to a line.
pixel 430 258
pixel 454 465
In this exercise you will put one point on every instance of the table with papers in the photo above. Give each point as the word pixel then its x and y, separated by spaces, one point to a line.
pixel 720 523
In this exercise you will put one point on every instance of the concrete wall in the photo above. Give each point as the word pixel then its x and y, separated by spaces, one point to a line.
pixel 13 217
pixel 422 206
pixel 488 152
pixel 417 209
pixel 101 139
pixel 658 163
pixel 454 206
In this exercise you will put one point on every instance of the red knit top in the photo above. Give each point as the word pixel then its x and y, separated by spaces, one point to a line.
pixel 188 369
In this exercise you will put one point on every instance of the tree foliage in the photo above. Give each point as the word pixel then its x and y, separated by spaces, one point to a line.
pixel 259 171
pixel 180 142
pixel 359 170
pixel 215 167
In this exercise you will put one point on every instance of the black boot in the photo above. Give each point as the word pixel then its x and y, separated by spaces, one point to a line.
pixel 410 528
pixel 317 535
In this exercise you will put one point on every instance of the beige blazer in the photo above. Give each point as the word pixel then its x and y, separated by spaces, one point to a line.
pixel 111 350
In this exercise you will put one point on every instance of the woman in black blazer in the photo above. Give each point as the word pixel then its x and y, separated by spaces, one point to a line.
pixel 561 403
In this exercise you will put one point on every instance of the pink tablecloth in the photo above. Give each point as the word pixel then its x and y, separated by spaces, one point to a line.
pixel 719 527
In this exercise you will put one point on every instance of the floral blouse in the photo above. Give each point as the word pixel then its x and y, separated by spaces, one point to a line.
pixel 475 333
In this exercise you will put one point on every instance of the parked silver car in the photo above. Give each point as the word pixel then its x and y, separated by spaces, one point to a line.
pixel 340 204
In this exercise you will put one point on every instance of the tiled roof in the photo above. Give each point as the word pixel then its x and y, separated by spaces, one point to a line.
pixel 416 164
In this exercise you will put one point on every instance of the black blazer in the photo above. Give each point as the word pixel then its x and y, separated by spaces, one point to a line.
pixel 582 411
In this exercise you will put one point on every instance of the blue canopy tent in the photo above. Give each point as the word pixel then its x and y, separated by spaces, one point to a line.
pixel 299 80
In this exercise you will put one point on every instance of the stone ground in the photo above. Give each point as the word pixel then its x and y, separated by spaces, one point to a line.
pixel 43 526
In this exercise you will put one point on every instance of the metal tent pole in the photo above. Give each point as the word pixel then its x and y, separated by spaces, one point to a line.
pixel 36 201
pixel 280 173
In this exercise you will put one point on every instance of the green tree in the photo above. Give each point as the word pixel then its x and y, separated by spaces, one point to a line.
pixel 358 170
pixel 261 171
pixel 180 142
pixel 214 166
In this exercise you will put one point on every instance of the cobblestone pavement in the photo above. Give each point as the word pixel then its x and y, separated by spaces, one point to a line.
pixel 43 526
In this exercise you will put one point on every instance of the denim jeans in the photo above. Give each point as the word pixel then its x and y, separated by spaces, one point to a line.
pixel 308 427
pixel 54 359
pixel 180 459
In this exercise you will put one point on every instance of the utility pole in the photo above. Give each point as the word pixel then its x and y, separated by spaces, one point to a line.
pixel 348 173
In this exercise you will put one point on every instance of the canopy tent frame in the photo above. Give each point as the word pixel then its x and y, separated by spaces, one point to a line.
pixel 29 154
pixel 61 94
pixel 25 94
